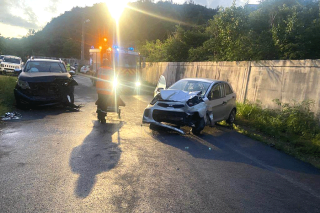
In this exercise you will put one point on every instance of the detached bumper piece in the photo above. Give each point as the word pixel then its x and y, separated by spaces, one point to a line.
pixel 156 116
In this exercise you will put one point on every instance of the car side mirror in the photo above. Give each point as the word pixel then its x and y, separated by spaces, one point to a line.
pixel 159 89
pixel 17 71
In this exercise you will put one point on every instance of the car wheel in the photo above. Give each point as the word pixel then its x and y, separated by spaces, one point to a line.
pixel 20 104
pixel 153 126
pixel 232 117
pixel 198 127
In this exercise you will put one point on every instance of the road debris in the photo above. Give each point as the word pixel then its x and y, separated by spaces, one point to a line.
pixel 11 116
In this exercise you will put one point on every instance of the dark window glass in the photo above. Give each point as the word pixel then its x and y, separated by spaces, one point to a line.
pixel 227 89
pixel 215 93
pixel 12 60
pixel 45 66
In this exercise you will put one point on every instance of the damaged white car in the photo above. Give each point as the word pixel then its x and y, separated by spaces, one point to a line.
pixel 191 102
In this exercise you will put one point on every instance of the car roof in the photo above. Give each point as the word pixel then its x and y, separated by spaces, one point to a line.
pixel 11 56
pixel 41 59
pixel 208 80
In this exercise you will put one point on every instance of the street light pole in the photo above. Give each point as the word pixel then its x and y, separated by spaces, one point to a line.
pixel 82 40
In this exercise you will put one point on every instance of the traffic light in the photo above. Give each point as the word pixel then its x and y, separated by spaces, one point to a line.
pixel 105 39
pixel 100 47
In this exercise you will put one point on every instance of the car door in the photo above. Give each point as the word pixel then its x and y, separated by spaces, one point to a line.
pixel 230 98
pixel 162 84
pixel 216 103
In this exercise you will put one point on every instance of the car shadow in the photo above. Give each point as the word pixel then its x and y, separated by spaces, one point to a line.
pixel 224 144
pixel 97 154
pixel 40 112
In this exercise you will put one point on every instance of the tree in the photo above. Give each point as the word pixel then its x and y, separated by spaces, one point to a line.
pixel 1 45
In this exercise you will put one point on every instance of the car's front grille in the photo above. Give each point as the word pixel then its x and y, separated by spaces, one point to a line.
pixel 171 105
pixel 47 88
pixel 168 116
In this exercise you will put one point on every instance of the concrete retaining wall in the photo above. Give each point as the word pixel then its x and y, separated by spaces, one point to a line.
pixel 286 80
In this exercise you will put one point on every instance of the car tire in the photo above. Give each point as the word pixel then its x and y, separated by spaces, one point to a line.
pixel 153 126
pixel 232 117
pixel 20 105
pixel 198 127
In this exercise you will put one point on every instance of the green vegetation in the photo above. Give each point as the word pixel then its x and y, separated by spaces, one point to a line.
pixel 62 36
pixel 292 128
pixel 276 29
pixel 6 93
pixel 164 31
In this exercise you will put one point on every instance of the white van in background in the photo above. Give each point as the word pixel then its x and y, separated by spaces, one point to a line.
pixel 9 64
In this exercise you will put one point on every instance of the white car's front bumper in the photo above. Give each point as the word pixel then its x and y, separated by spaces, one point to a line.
pixel 184 116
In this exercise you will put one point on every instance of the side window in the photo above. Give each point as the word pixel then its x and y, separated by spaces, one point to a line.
pixel 228 90
pixel 215 93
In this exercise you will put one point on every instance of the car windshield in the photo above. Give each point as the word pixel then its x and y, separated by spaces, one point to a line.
pixel 45 66
pixel 191 86
pixel 12 60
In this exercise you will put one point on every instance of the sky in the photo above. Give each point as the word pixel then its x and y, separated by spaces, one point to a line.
pixel 18 16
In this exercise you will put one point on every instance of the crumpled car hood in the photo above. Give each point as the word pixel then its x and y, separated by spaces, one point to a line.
pixel 177 95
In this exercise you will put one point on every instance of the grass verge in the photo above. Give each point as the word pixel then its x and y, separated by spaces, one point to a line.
pixel 293 129
pixel 7 84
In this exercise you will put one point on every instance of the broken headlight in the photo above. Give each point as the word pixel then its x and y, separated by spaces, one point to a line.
pixel 194 101
pixel 155 99
pixel 23 84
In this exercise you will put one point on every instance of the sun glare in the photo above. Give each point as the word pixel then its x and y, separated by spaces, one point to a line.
pixel 116 7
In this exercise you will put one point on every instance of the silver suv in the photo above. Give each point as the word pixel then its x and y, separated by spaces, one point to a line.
pixel 9 64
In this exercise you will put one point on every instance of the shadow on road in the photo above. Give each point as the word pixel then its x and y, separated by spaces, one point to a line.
pixel 97 154
pixel 224 144
pixel 40 112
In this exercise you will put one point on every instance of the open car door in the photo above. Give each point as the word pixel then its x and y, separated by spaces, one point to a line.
pixel 162 84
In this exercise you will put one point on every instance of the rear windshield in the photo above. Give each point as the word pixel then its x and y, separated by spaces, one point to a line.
pixel 45 66
pixel 12 60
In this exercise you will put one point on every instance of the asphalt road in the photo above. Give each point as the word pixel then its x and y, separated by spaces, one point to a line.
pixel 55 160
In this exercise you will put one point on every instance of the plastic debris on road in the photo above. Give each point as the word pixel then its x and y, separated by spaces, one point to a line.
pixel 11 116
